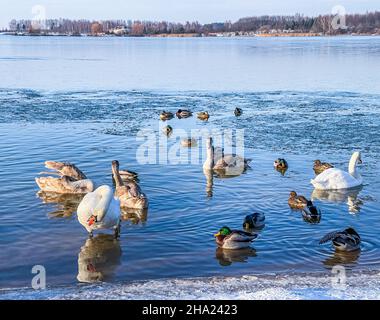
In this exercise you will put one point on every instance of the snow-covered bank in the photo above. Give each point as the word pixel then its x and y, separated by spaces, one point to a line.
pixel 358 286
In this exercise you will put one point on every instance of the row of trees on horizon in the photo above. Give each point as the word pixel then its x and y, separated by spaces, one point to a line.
pixel 354 23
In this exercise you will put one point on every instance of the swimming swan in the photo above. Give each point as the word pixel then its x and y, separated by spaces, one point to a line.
pixel 335 179
pixel 100 210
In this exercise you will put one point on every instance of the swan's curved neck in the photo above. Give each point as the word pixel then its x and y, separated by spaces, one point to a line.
pixel 104 203
pixel 352 165
pixel 116 176
pixel 209 163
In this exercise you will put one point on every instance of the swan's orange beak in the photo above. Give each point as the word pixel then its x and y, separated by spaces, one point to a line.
pixel 91 221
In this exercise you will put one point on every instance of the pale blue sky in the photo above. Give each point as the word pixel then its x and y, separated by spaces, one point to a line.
pixel 175 10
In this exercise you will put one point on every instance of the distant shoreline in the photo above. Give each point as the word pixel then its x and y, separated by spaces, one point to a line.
pixel 190 35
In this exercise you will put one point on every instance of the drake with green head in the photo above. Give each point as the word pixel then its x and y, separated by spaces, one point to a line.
pixel 233 239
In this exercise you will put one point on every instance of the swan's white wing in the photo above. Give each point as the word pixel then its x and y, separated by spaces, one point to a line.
pixel 334 179
pixel 112 217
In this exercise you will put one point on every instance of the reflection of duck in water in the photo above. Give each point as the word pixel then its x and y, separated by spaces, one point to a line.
pixel 135 216
pixel 227 257
pixel 349 196
pixel 342 258
pixel 98 259
pixel 66 204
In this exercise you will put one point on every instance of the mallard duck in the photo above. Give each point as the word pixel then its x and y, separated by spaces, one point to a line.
pixel 71 179
pixel 167 130
pixel 336 179
pixel 346 240
pixel 319 166
pixel 311 213
pixel 297 202
pixel 166 115
pixel 183 113
pixel 129 194
pixel 233 239
pixel 238 111
pixel 254 220
pixel 230 164
pixel 280 164
pixel 100 210
pixel 203 115
pixel 189 142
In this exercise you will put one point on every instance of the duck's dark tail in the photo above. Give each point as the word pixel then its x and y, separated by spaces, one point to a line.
pixel 329 237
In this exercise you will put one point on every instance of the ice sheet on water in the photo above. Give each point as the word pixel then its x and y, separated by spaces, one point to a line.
pixel 284 287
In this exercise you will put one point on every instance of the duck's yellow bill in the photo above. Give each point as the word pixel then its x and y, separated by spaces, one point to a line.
pixel 217 234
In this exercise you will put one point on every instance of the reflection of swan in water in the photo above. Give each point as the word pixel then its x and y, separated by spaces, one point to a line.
pixel 98 258
pixel 135 216
pixel 66 204
pixel 342 258
pixel 209 182
pixel 348 196
pixel 210 175
pixel 227 257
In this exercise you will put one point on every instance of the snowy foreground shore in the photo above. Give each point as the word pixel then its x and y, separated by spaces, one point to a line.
pixel 284 287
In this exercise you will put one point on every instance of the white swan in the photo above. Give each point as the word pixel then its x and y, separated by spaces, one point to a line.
pixel 335 179
pixel 100 210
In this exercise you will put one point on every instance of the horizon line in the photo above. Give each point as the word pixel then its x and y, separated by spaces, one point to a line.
pixel 189 20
